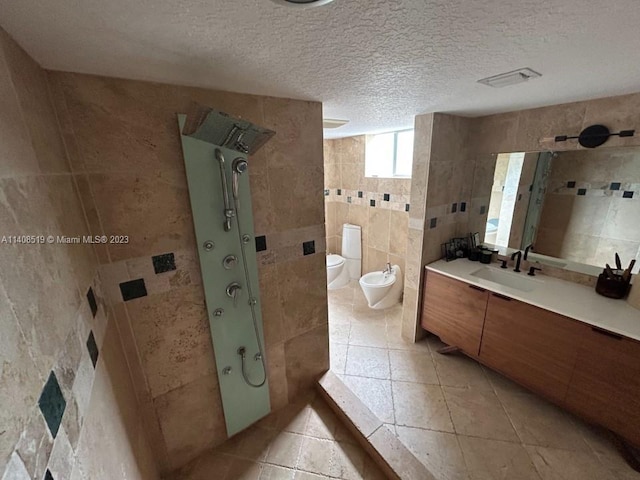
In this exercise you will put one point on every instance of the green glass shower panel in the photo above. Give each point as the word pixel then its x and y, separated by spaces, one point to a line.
pixel 233 328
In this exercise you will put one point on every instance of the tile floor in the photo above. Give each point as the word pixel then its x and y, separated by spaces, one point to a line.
pixel 303 441
pixel 461 420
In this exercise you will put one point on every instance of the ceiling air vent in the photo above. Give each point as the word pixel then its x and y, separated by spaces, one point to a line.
pixel 302 3
pixel 333 123
pixel 510 78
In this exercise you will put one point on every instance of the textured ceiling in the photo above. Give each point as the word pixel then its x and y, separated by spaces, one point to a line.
pixel 375 62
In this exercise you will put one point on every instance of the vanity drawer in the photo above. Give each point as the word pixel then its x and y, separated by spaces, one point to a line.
pixel 534 347
pixel 454 311
pixel 606 383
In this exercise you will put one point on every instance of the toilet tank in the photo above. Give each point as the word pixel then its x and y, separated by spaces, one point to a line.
pixel 351 244
pixel 352 249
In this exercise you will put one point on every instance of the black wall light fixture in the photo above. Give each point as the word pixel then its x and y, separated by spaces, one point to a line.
pixel 594 136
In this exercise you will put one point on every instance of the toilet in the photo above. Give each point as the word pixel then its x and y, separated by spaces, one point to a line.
pixel 341 269
pixel 382 289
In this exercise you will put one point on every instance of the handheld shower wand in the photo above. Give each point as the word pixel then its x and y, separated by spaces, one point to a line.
pixel 229 213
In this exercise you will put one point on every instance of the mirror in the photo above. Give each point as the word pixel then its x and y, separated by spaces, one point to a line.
pixel 577 207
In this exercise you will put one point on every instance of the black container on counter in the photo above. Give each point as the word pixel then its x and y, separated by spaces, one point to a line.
pixel 474 254
pixel 486 256
pixel 612 287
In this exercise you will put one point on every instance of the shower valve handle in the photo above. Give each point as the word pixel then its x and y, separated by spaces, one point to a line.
pixel 233 291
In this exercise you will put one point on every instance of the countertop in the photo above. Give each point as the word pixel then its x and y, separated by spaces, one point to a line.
pixel 565 298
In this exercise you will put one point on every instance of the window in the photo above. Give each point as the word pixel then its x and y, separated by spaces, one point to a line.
pixel 389 155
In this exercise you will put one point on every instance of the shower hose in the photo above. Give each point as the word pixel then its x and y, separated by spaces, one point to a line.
pixel 252 304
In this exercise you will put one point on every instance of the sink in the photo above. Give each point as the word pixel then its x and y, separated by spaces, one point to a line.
pixel 547 261
pixel 553 263
pixel 518 281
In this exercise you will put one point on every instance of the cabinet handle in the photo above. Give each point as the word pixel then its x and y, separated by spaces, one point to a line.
pixel 606 333
pixel 480 289
pixel 503 297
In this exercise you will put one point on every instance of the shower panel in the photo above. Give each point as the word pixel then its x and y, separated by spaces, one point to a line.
pixel 223 222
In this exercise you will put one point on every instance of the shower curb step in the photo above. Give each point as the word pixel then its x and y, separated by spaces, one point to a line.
pixel 384 447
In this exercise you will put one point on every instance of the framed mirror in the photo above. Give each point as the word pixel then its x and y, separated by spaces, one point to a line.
pixel 578 208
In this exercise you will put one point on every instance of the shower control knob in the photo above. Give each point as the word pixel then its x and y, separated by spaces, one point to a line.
pixel 218 312
pixel 209 245
pixel 229 262
pixel 226 370
pixel 253 301
pixel 233 291
pixel 246 238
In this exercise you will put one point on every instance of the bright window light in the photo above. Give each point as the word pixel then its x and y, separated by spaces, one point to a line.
pixel 389 155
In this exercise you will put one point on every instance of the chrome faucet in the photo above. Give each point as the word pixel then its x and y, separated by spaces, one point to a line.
pixel 517 254
pixel 526 251
pixel 387 269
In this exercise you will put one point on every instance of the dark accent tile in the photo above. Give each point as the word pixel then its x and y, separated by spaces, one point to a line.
pixel 360 194
pixel 615 186
pixel 348 199
pixel 339 191
pixel 406 207
pixel 133 289
pixel 582 191
pixel 309 247
pixel 483 210
pixel 164 263
pixel 519 196
pixel 627 195
pixel 48 476
pixel 433 222
pixel 571 184
pixel 93 348
pixel 372 203
pixel 386 197
pixel 463 206
pixel 52 404
pixel 91 298
pixel 326 192
pixel 454 207
pixel 261 243
pixel 531 188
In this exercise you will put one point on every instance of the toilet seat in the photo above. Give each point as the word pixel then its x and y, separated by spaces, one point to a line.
pixel 334 260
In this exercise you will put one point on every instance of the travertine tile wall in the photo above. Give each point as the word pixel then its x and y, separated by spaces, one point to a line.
pixel 350 197
pixel 482 138
pixel 440 195
pixel 49 332
pixel 127 159
pixel 591 207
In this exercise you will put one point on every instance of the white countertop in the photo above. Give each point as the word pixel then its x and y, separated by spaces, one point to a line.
pixel 559 296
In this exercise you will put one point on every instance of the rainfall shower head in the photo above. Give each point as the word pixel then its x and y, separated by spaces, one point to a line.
pixel 222 129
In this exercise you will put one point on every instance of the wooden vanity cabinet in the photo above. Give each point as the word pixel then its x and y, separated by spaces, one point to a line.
pixel 532 346
pixel 454 311
pixel 592 372
pixel 605 387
